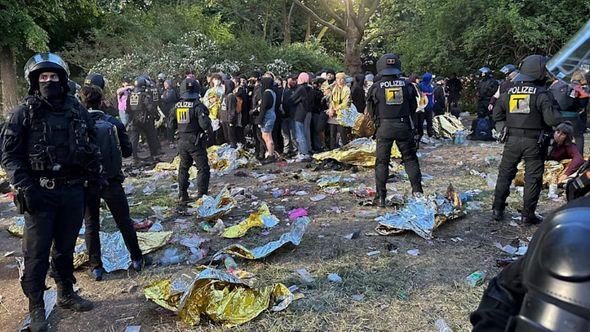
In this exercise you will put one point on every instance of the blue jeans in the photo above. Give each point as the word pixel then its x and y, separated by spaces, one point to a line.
pixel 300 136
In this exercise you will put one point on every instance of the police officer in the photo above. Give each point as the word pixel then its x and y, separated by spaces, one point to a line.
pixel 510 71
pixel 142 112
pixel 391 103
pixel 114 145
pixel 547 289
pixel 486 88
pixel 529 112
pixel 191 118
pixel 49 152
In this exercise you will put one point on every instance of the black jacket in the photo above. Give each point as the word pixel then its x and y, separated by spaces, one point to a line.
pixel 126 148
pixel 301 99
pixel 358 93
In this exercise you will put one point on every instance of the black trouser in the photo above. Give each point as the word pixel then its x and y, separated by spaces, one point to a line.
pixel 398 131
pixel 318 126
pixel 192 150
pixel 335 130
pixel 116 200
pixel 420 117
pixel 148 131
pixel 229 132
pixel 519 148
pixel 57 220
pixel 259 144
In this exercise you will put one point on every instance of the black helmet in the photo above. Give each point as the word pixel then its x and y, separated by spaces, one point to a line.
pixel 389 64
pixel 509 68
pixel 557 273
pixel 141 82
pixel 532 68
pixel 41 62
pixel 161 77
pixel 95 79
pixel 190 89
pixel 73 87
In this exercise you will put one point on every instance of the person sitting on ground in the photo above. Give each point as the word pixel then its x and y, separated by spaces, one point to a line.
pixel 563 148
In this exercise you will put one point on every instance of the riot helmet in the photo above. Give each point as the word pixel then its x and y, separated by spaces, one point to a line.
pixel 509 68
pixel 50 62
pixel 389 65
pixel 190 89
pixel 95 79
pixel 73 87
pixel 557 274
pixel 532 68
pixel 161 77
pixel 485 72
pixel 141 82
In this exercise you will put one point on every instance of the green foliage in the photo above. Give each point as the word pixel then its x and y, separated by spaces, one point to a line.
pixel 448 36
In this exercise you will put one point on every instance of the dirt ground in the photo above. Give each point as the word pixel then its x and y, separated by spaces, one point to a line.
pixel 400 292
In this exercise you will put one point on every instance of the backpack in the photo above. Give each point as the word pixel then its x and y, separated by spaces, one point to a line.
pixel 482 130
pixel 110 148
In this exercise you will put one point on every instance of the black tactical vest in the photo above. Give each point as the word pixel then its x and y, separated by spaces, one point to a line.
pixel 187 117
pixel 58 142
pixel 392 96
pixel 522 111
pixel 140 105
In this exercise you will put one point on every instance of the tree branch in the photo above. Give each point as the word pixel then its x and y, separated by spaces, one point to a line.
pixel 371 10
pixel 370 38
pixel 339 20
pixel 321 20
pixel 354 17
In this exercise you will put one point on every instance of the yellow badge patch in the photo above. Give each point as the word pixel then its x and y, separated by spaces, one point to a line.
pixel 394 96
pixel 182 115
pixel 520 103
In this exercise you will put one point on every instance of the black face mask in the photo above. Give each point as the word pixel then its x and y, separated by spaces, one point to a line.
pixel 50 90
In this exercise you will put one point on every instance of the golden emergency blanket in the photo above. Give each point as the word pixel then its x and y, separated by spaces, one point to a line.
pixel 173 166
pixel 224 159
pixel 360 152
pixel 211 208
pixel 220 296
pixel 260 218
pixel 446 125
pixel 364 126
pixel 553 170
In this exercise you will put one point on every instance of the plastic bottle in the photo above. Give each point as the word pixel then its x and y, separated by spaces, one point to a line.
pixel 476 278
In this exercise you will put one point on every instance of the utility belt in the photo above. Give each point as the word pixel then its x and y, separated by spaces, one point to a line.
pixel 404 119
pixel 539 134
pixel 53 183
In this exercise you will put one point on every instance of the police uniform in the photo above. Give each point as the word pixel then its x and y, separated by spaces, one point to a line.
pixel 49 152
pixel 529 112
pixel 392 107
pixel 191 118
pixel 112 192
pixel 142 112
pixel 547 289
pixel 486 90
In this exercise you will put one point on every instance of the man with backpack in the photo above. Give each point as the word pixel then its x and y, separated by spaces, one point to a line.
pixel 192 120
pixel 114 145
pixel 142 112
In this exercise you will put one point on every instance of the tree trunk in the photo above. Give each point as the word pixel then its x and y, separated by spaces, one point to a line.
pixel 308 30
pixel 287 22
pixel 8 79
pixel 352 54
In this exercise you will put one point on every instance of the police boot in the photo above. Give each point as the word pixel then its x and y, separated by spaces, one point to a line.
pixel 497 214
pixel 379 201
pixel 37 313
pixel 68 299
pixel 535 219
pixel 183 198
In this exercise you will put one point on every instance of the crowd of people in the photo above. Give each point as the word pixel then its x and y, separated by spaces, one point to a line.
pixel 62 148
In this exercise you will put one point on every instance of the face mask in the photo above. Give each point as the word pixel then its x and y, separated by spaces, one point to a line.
pixel 50 90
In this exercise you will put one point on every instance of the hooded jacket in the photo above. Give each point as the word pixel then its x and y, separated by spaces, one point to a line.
pixel 426 88
pixel 358 93
pixel 267 99
pixel 228 110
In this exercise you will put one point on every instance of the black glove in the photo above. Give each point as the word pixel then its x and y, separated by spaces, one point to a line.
pixel 33 198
